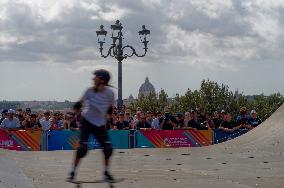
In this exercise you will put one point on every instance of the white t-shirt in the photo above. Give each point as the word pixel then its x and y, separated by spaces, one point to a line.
pixel 10 124
pixel 45 124
pixel 96 105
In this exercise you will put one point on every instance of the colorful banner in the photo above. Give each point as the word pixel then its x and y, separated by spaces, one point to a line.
pixel 69 140
pixel 175 138
pixel 222 136
pixel 20 140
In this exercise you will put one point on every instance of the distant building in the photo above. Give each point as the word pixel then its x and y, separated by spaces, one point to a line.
pixel 146 88
pixel 130 99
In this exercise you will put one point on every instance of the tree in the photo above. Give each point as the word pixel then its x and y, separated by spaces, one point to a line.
pixel 211 97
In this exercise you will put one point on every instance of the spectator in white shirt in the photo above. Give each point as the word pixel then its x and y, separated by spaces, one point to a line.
pixel 10 122
pixel 45 121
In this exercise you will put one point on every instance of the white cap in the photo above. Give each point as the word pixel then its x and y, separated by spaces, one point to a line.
pixel 253 112
pixel 11 111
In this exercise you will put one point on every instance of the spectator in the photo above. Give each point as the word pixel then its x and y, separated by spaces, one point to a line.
pixel 45 124
pixel 121 124
pixel 31 122
pixel 74 121
pixel 127 117
pixel 111 118
pixel 218 118
pixel 179 120
pixel 137 119
pixel 149 117
pixel 253 121
pixel 123 109
pixel 142 123
pixel 167 122
pixel 67 120
pixel 243 117
pixel 228 124
pixel 4 114
pixel 196 122
pixel 57 122
pixel 45 121
pixel 19 111
pixel 187 118
pixel 21 119
pixel 208 121
pixel 201 114
pixel 28 111
pixel 155 123
pixel 114 116
pixel 10 122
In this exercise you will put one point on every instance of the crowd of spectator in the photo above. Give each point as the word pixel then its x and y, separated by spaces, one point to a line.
pixel 124 120
pixel 193 119
pixel 20 119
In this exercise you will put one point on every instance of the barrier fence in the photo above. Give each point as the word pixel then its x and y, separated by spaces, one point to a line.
pixel 22 140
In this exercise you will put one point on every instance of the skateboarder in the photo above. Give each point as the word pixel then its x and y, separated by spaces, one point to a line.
pixel 96 102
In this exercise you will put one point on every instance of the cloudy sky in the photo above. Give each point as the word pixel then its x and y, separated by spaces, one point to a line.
pixel 48 49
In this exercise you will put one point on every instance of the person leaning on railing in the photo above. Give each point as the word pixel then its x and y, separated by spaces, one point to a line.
pixel 31 122
pixel 155 123
pixel 167 121
pixel 254 120
pixel 121 124
pixel 10 123
pixel 229 125
pixel 56 122
pixel 243 118
pixel 179 120
pixel 196 122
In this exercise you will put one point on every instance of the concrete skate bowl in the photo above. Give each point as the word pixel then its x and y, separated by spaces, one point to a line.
pixel 255 159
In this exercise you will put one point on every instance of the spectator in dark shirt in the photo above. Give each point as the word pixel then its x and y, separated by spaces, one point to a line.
pixel 201 114
pixel 179 120
pixel 218 118
pixel 196 122
pixel 74 120
pixel 28 111
pixel 121 124
pixel 21 119
pixel 167 122
pixel 228 124
pixel 142 123
pixel 208 121
pixel 128 117
pixel 31 122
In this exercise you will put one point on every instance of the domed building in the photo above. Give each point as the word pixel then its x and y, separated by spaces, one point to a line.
pixel 146 88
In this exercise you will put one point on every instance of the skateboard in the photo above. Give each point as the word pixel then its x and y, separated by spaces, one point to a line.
pixel 79 183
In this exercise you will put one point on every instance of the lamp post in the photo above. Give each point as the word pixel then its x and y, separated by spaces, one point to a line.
pixel 116 50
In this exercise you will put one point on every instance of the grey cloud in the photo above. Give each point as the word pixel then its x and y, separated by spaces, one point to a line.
pixel 72 37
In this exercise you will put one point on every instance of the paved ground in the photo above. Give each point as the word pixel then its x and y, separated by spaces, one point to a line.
pixel 255 159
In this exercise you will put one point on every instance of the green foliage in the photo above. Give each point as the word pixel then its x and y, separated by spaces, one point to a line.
pixel 210 97
pixel 152 102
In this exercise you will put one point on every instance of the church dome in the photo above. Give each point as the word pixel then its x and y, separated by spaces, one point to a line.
pixel 146 88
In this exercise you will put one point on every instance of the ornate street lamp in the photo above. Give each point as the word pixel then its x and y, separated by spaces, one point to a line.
pixel 116 50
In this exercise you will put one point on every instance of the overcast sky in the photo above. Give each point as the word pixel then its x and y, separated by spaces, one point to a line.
pixel 48 48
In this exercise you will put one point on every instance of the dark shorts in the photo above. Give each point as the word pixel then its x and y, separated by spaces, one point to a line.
pixel 87 128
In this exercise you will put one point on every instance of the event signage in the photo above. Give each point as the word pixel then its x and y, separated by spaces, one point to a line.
pixel 174 138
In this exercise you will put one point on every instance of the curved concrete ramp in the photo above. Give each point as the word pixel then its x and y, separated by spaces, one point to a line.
pixel 255 159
